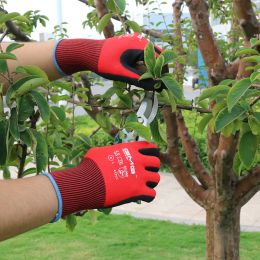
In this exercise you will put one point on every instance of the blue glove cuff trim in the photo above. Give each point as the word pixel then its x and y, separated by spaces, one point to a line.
pixel 55 61
pixel 59 213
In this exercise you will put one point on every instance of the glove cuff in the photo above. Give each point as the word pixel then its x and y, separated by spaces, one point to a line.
pixel 74 55
pixel 81 188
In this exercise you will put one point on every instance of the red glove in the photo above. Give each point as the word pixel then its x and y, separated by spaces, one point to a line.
pixel 113 58
pixel 110 176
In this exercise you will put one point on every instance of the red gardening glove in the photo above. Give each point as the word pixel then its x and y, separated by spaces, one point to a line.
pixel 113 58
pixel 110 176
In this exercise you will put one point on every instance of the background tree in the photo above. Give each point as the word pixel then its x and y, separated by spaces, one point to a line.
pixel 228 109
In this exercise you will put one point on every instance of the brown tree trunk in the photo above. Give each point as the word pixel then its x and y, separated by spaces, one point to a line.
pixel 223 232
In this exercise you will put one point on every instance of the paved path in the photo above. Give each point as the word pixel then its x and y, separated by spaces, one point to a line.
pixel 172 203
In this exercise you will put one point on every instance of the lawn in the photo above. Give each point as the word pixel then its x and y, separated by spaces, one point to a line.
pixel 118 237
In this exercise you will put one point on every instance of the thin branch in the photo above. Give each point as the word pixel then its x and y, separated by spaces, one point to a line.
pixel 22 160
pixel 173 158
pixel 179 67
pixel 12 28
pixel 247 19
pixel 192 153
pixel 248 186
pixel 101 9
pixel 214 61
pixel 255 101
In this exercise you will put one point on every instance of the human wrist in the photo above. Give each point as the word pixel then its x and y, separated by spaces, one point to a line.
pixel 73 55
pixel 81 187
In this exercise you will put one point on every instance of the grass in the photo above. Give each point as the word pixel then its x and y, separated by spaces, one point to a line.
pixel 118 237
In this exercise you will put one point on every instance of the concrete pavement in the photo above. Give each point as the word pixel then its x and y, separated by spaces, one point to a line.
pixel 172 203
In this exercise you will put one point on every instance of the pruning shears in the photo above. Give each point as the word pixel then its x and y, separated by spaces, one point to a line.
pixel 146 113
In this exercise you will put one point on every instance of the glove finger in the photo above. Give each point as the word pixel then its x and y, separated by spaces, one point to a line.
pixel 150 161
pixel 149 194
pixel 152 179
pixel 150 151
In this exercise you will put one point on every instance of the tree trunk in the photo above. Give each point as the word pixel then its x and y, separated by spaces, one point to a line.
pixel 223 233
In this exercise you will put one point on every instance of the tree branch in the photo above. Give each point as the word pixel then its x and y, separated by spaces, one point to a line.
pixel 192 153
pixel 246 16
pixel 179 67
pixel 247 187
pixel 223 172
pixel 173 158
pixel 92 102
pixel 13 29
pixel 206 41
pixel 101 11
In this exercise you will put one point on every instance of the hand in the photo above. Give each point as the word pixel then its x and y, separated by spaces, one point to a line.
pixel 114 58
pixel 110 176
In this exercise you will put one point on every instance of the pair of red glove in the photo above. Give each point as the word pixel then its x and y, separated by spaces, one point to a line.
pixel 112 175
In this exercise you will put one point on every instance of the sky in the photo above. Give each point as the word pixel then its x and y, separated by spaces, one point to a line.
pixel 74 13
pixel 71 11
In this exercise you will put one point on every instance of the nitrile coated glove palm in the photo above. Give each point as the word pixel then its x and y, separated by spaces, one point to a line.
pixel 110 176
pixel 113 58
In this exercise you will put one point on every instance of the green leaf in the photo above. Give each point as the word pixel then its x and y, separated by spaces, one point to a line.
pixel 169 56
pixel 14 87
pixel 146 75
pixel 254 125
pixel 42 104
pixel 3 140
pixel 228 130
pixel 227 82
pixel 225 117
pixel 60 113
pixel 149 57
pixel 204 122
pixel 30 85
pixel 6 172
pixel 132 117
pixel 25 136
pixel 14 123
pixel 213 92
pixel 172 101
pixel 40 151
pixel 134 26
pixel 103 22
pixel 255 77
pixel 111 5
pixel 29 171
pixel 237 164
pixel 121 4
pixel 103 121
pixel 7 17
pixel 255 58
pixel 154 127
pixel 126 99
pixel 246 51
pixel 71 222
pixel 13 46
pixel 140 129
pixel 158 66
pixel 173 86
pixel 3 66
pixel 7 56
pixel 247 149
pixel 237 92
pixel 25 108
pixel 32 70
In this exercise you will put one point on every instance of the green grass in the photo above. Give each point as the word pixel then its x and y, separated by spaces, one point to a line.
pixel 117 237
